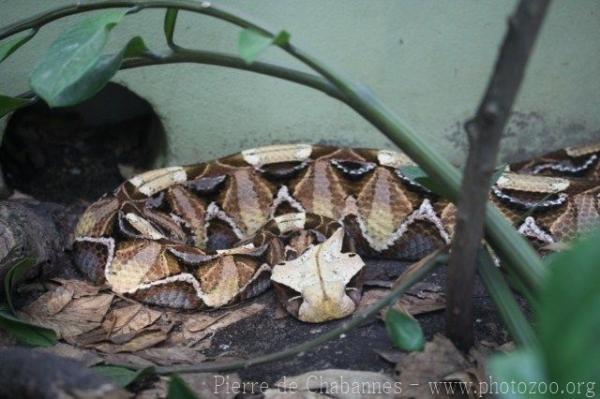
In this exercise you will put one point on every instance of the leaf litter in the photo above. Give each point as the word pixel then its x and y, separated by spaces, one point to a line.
pixel 101 327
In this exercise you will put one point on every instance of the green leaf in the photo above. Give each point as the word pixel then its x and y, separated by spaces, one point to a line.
pixel 413 172
pixel 404 331
pixel 169 25
pixel 515 367
pixel 9 104
pixel 282 38
pixel 134 48
pixel 568 316
pixel 25 333
pixel 418 175
pixel 16 272
pixel 123 376
pixel 99 75
pixel 178 389
pixel 6 49
pixel 71 59
pixel 251 43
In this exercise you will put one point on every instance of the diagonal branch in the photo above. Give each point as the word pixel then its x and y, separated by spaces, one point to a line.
pixel 182 55
pixel 484 133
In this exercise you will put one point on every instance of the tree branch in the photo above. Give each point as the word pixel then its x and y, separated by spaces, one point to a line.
pixel 181 55
pixel 484 132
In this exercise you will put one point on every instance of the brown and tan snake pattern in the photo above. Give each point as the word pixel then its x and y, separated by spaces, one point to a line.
pixel 300 217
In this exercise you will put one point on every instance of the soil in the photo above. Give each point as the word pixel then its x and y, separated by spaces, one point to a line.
pixel 48 163
pixel 357 350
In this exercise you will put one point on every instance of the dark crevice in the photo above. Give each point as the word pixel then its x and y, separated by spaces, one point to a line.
pixel 66 154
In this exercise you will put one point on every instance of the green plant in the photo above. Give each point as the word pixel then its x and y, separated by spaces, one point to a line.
pixel 404 330
pixel 24 332
pixel 123 376
pixel 565 361
pixel 178 389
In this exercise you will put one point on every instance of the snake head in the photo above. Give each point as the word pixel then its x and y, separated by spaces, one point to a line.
pixel 322 276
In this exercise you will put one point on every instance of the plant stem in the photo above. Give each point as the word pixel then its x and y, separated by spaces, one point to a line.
pixel 181 55
pixel 508 243
pixel 484 132
pixel 519 328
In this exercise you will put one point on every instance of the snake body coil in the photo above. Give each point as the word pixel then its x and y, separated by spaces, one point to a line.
pixel 211 234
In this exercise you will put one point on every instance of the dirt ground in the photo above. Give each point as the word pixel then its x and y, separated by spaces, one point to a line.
pixel 359 349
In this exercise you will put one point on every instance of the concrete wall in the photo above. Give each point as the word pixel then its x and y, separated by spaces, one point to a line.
pixel 429 60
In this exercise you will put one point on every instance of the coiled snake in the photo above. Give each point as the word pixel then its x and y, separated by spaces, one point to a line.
pixel 300 217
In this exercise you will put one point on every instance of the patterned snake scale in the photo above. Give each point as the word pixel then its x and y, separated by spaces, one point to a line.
pixel 296 216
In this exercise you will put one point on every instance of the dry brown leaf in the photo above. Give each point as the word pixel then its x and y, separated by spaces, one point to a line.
pixel 439 359
pixel 57 300
pixel 320 275
pixel 202 345
pixel 129 359
pixel 91 337
pixel 200 322
pixel 80 288
pixel 369 297
pixel 143 340
pixel 172 355
pixel 87 357
pixel 199 326
pixel 342 384
pixel 129 319
pixel 78 316
pixel 415 304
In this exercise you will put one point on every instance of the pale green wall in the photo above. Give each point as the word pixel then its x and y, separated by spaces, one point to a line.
pixel 429 60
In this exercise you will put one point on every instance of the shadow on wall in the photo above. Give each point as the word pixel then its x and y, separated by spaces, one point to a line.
pixel 81 152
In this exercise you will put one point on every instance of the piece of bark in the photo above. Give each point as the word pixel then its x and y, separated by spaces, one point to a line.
pixel 484 132
pixel 25 373
pixel 41 230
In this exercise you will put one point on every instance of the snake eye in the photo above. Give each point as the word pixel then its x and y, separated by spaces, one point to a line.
pixel 353 169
